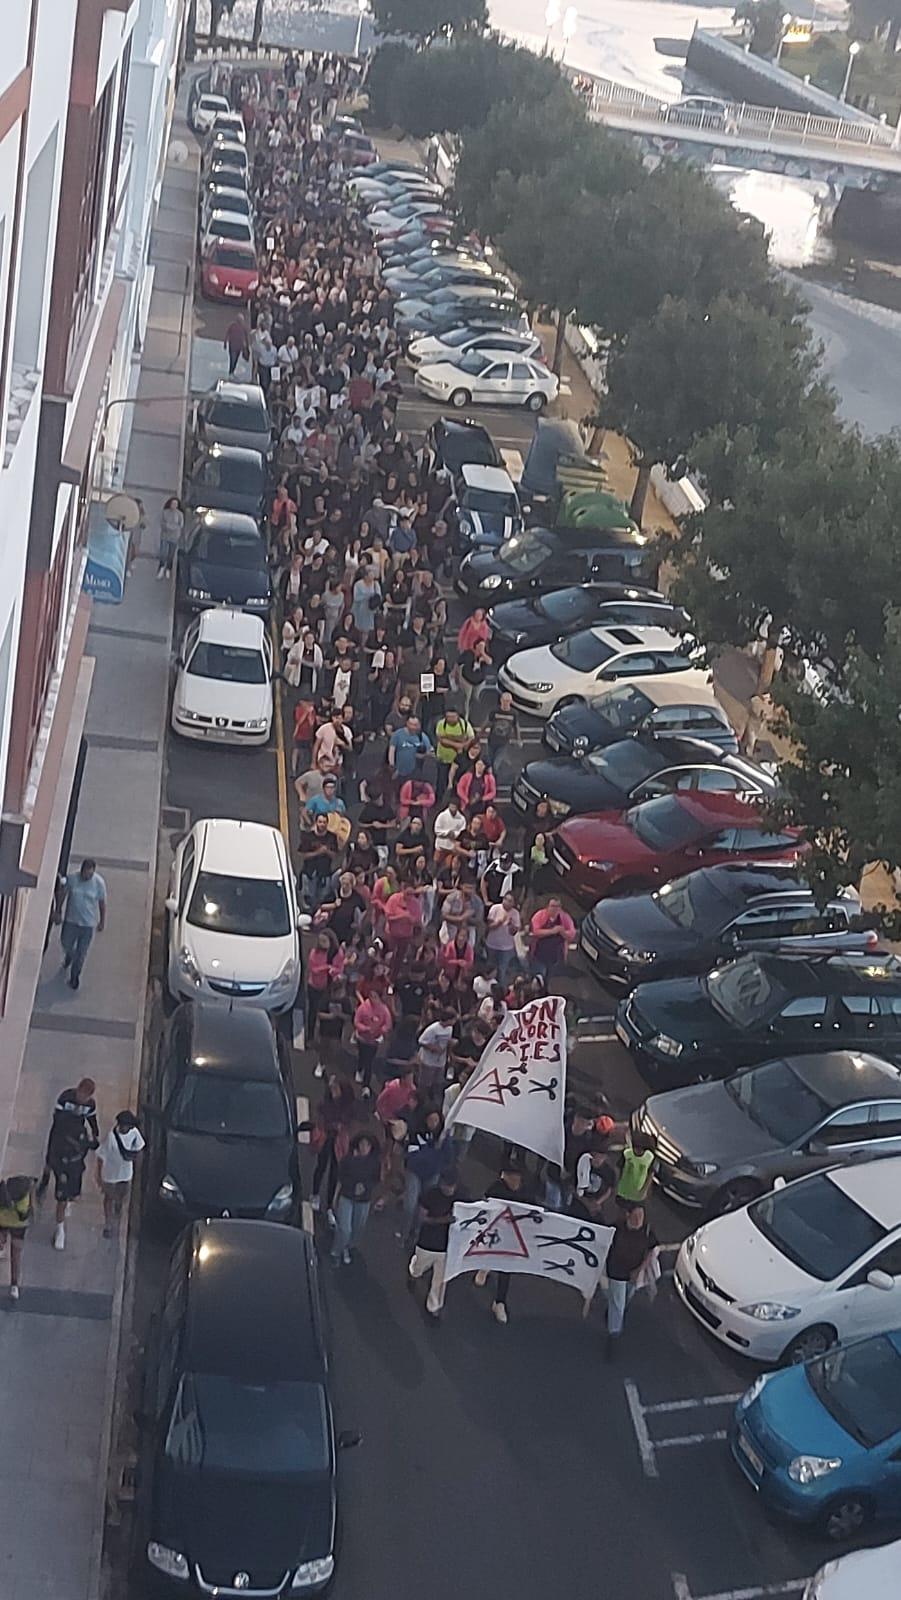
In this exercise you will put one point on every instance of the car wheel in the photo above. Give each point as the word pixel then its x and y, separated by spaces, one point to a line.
pixel 536 402
pixel 805 1346
pixel 732 1196
pixel 460 398
pixel 845 1516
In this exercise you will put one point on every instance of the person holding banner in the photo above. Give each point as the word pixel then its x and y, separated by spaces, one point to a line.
pixel 553 933
pixel 436 1213
pixel 628 1259
pixel 511 1187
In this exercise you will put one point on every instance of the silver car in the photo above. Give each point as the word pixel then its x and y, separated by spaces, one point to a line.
pixel 234 413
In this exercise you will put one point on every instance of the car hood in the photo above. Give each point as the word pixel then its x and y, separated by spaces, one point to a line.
pixel 233 584
pixel 217 1174
pixel 583 722
pixel 639 923
pixel 733 1252
pixel 605 836
pixel 568 781
pixel 241 702
pixel 705 1124
pixel 227 1523
pixel 235 958
pixel 539 666
pixel 794 1421
pixel 513 617
pixel 680 1007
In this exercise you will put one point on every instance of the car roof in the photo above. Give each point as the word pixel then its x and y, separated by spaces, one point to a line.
pixel 623 636
pixel 219 99
pixel 221 189
pixel 251 1314
pixel 223 625
pixel 236 1041
pixel 241 454
pixel 221 214
pixel 712 807
pixel 841 1076
pixel 235 849
pixel 248 394
pixel 452 425
pixel 845 972
pixel 587 539
pixel 492 480
pixel 875 1186
pixel 230 521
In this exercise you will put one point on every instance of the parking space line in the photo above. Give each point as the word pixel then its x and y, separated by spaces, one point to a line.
pixel 596 1038
pixel 645 1444
pixel 681 1590
pixel 640 1413
pixel 692 1438
pixel 691 1405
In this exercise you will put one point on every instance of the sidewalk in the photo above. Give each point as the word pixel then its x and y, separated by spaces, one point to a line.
pixel 59 1345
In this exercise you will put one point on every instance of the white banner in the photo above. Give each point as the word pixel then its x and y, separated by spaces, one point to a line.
pixel 518 1087
pixel 504 1236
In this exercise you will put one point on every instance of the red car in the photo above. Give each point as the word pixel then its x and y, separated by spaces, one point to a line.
pixel 229 271
pixel 612 852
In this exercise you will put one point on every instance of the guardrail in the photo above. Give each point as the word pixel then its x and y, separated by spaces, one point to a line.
pixel 760 123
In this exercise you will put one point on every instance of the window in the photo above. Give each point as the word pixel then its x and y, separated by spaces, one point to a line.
pixel 187 872
pixel 35 253
pixel 888 1119
pixel 803 1013
pixel 631 667
pixel 758 839
pixel 762 924
pixel 251 907
pixel 847 1127
pixel 222 1106
pixel 583 651
pixel 859 1013
pixel 227 663
pixel 522 372
pixel 817 1226
pixel 90 239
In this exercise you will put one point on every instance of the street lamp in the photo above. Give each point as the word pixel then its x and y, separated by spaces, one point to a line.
pixel 570 22
pixel 551 18
pixel 786 19
pixel 853 48
pixel 363 7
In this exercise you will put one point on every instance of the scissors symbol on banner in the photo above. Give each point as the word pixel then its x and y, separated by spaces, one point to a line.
pixel 550 1089
pixel 478 1221
pixel 569 1267
pixel 577 1241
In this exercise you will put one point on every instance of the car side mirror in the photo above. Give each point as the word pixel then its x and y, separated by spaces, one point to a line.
pixel 817 1147
pixel 880 1280
pixel 171 903
pixel 779 1183
pixel 349 1439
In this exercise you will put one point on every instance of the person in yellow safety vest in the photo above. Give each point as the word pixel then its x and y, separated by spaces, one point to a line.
pixel 638 1159
pixel 16 1210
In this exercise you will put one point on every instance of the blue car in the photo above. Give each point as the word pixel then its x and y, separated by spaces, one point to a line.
pixel 821 1443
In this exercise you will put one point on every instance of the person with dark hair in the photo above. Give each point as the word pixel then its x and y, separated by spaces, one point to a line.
pixel 73 1132
pixel 358 1175
pixel 16 1212
pixel 330 1138
pixel 81 908
pixel 513 1187
pixel 436 1213
pixel 116 1165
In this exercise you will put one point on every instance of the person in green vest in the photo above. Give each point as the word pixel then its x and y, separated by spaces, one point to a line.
pixel 16 1211
pixel 452 734
pixel 638 1161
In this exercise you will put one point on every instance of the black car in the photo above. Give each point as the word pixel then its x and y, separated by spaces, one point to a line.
pixel 538 560
pixel 227 478
pixel 237 1464
pixel 683 1029
pixel 222 1132
pixel 520 624
pixel 636 769
pixel 459 442
pixel 224 563
pixel 663 706
pixel 714 915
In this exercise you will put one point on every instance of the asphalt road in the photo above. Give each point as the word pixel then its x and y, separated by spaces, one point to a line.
pixel 509 1461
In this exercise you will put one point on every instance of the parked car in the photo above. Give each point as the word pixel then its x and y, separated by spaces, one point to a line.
pixel 434 318
pixel 617 853
pixel 206 108
pixel 489 377
pixel 237 1468
pixel 584 664
pixel 873 1573
pixel 228 225
pixel 815 1261
pixel 702 111
pixel 386 217
pixel 487 509
pixel 821 1443
pixel 679 1029
pixel 224 150
pixel 223 688
pixel 465 339
pixel 224 197
pixel 658 705
pixel 234 413
pixel 720 1145
pixel 357 149
pixel 220 1118
pixel 543 619
pixel 633 770
pixel 228 271
pixel 537 560
pixel 459 442
pixel 224 563
pixel 226 478
pixel 231 916
pixel 713 915
pixel 228 125
pixel 432 269
pixel 223 168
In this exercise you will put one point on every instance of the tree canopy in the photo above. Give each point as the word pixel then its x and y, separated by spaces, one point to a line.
pixel 426 20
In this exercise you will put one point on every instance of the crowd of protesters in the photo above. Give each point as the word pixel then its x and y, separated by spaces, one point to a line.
pixel 428 920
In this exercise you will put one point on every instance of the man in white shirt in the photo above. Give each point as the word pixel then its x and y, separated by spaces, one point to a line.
pixel 115 1167
pixel 449 824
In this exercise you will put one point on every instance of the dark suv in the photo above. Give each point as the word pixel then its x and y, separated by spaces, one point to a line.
pixel 636 769
pixel 540 559
pixel 682 1029
pixel 227 478
pixel 714 915
pixel 458 442
pixel 237 1464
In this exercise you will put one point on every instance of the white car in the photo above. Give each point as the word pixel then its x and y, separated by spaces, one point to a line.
pixel 207 109
pixel 860 1575
pixel 223 691
pixel 815 1261
pixel 232 917
pixel 231 124
pixel 432 349
pixel 585 665
pixel 488 377
pixel 228 225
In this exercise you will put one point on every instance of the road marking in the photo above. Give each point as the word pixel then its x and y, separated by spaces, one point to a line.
pixel 281 764
pixel 692 1438
pixel 298 1029
pixel 691 1405
pixel 306 1214
pixel 302 1110
pixel 595 1038
pixel 681 1590
pixel 645 1443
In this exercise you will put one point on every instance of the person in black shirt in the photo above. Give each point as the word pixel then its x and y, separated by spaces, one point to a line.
pixel 73 1132
pixel 630 1247
pixel 514 1187
pixel 436 1213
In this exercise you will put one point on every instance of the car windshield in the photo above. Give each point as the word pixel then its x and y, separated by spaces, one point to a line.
pixel 226 663
pixel 246 477
pixel 778 1100
pixel 473 361
pixel 524 553
pixel 566 605
pixel 744 992
pixel 456 336
pixel 624 707
pixel 630 766
pixel 662 824
pixel 247 415
pixel 694 903
pixel 271 1430
pixel 584 651
pixel 228 549
pixel 206 1102
pixel 860 1385
pixel 816 1225
pixel 255 908
pixel 228 227
pixel 230 256
pixel 490 502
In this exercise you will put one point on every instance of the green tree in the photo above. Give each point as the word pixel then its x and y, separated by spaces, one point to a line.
pixel 878 18
pixel 452 88
pixel 426 20
pixel 764 21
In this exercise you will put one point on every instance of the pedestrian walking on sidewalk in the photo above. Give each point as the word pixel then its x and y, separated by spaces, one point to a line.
pixel 116 1167
pixel 237 343
pixel 436 1213
pixel 16 1212
pixel 172 527
pixel 73 1132
pixel 81 906
pixel 358 1175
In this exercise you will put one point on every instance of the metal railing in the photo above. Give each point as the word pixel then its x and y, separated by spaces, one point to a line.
pixel 762 124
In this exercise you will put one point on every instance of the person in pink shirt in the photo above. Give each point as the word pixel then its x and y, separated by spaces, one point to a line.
pixel 456 957
pixel 477 787
pixel 399 1094
pixel 372 1024
pixel 416 799
pixel 325 962
pixel 403 920
pixel 475 627
pixel 552 932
